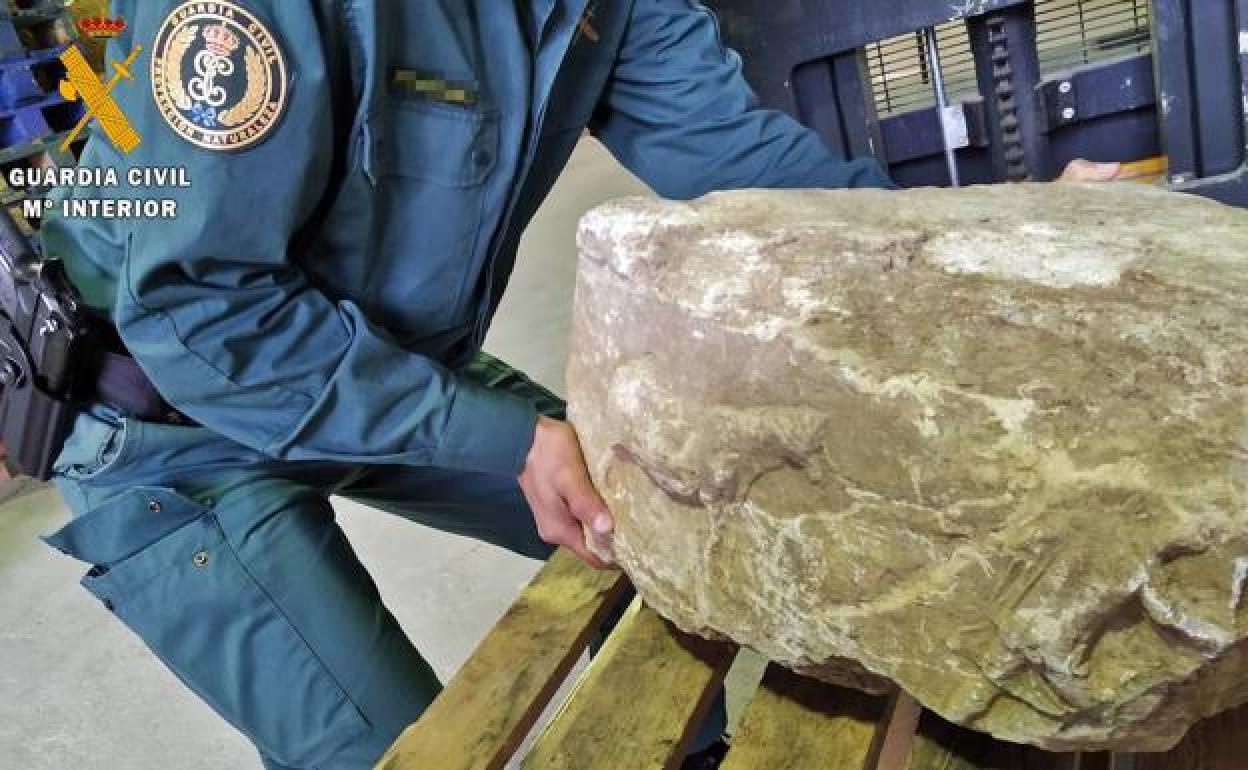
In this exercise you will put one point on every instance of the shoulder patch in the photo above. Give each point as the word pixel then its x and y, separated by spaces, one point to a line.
pixel 219 75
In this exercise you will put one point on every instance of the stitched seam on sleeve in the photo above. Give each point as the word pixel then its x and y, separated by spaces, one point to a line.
pixel 167 320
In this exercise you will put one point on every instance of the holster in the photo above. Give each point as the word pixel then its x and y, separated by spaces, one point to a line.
pixel 45 347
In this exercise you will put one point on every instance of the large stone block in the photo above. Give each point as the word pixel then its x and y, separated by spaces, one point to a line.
pixel 990 444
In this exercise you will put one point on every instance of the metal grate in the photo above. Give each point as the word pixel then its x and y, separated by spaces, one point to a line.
pixel 1069 33
pixel 900 78
pixel 1072 33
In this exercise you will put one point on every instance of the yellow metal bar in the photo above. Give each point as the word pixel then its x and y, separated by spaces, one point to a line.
pixel 1146 171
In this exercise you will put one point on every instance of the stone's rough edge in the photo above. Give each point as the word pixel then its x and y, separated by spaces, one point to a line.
pixel 643 262
pixel 620 233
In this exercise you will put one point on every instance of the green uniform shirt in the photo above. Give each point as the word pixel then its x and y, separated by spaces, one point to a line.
pixel 362 171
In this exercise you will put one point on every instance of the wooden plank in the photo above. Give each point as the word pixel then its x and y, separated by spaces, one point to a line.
pixel 895 743
pixel 639 703
pixel 797 723
pixel 1219 743
pixel 941 745
pixel 491 704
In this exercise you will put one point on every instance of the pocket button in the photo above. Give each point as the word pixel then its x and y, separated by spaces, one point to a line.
pixel 154 506
pixel 200 559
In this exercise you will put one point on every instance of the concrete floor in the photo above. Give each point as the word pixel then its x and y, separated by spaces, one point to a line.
pixel 77 690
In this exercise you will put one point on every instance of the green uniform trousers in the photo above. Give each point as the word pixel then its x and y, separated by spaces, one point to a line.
pixel 232 569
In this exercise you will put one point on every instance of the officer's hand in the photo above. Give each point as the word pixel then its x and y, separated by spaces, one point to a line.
pixel 556 483
pixel 1086 171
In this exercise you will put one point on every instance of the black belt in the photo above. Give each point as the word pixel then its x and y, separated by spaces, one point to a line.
pixel 124 386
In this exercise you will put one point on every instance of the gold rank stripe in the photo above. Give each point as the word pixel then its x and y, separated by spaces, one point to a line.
pixel 411 83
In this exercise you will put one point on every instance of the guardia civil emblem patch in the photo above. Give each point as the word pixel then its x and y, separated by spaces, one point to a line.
pixel 218 75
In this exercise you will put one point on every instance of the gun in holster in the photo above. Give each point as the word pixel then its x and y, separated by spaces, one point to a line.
pixel 44 332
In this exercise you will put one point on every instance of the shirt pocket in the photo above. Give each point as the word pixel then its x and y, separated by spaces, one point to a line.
pixel 448 145
pixel 431 164
pixel 191 600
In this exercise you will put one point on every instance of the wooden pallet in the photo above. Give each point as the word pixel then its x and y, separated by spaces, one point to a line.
pixel 637 704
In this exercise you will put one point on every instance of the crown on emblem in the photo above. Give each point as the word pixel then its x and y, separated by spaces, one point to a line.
pixel 99 26
pixel 221 40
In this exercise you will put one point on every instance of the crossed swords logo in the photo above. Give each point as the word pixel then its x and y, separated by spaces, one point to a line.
pixel 81 82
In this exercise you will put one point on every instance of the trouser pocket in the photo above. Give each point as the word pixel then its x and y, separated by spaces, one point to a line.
pixel 194 603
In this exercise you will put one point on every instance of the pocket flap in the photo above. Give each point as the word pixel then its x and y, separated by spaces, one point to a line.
pixel 114 531
pixel 441 143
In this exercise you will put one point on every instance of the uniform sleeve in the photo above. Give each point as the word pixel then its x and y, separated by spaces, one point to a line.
pixel 680 115
pixel 216 309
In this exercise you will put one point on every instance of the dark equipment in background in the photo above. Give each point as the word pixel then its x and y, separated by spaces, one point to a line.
pixel 44 340
pixel 1031 84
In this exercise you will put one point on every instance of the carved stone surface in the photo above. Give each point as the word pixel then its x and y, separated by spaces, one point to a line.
pixel 990 444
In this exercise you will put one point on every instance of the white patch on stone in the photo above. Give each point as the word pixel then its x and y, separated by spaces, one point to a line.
pixel 1010 412
pixel 1065 264
pixel 1243 42
pixel 1239 580
pixel 722 295
pixel 626 391
pixel 798 295
pixel 1039 230
pixel 769 329
pixel 738 248
pixel 1194 628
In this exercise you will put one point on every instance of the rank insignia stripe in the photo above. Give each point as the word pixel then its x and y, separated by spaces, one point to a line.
pixel 219 76
pixel 417 85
